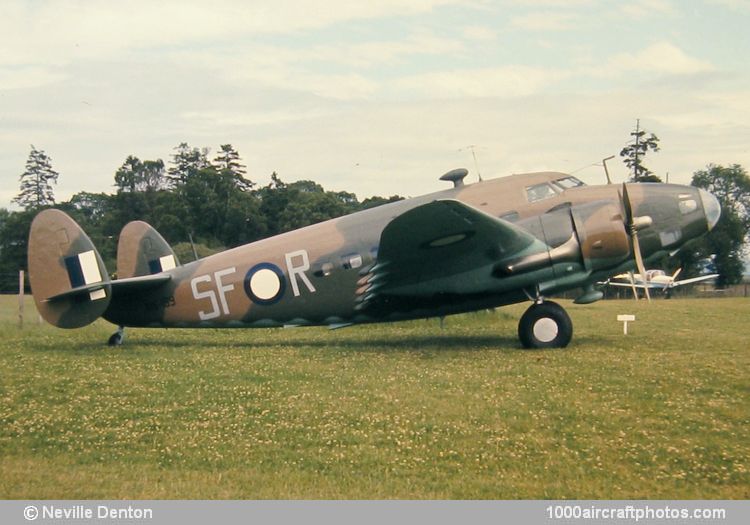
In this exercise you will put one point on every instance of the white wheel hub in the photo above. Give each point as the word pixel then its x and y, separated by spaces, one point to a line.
pixel 545 329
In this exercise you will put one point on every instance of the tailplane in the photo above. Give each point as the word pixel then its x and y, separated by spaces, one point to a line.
pixel 68 279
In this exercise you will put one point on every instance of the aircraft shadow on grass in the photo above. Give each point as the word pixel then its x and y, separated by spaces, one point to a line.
pixel 377 345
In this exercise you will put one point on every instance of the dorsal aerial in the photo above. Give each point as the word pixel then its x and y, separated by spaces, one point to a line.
pixel 470 247
pixel 455 176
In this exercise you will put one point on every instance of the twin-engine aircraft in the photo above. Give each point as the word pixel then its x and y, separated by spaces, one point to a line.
pixel 471 247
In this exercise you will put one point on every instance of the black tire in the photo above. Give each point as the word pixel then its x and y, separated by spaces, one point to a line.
pixel 545 325
pixel 115 339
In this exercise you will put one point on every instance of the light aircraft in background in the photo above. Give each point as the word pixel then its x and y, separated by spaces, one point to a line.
pixel 656 280
pixel 471 247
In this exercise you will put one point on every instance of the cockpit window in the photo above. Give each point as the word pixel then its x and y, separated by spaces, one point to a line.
pixel 568 182
pixel 539 192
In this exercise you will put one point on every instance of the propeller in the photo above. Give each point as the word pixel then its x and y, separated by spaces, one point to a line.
pixel 632 285
pixel 633 224
pixel 673 279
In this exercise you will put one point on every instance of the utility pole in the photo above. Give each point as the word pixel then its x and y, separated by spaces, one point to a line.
pixel 637 134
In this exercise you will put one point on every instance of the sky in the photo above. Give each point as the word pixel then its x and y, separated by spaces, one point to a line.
pixel 377 98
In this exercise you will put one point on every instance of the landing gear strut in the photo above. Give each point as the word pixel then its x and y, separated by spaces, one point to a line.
pixel 117 338
pixel 545 325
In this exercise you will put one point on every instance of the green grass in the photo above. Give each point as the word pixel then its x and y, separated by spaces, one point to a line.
pixel 386 411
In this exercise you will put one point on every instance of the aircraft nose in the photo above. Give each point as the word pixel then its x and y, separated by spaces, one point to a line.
pixel 711 208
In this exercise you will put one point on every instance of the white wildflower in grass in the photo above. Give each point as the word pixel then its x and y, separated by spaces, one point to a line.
pixel 383 411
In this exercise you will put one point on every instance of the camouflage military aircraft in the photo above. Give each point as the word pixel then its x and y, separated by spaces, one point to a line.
pixel 474 246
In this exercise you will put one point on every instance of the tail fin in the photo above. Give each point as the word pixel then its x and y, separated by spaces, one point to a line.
pixel 68 279
pixel 142 251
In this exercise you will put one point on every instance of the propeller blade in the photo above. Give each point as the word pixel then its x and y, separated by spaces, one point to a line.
pixel 630 224
pixel 632 285
pixel 626 205
pixel 639 263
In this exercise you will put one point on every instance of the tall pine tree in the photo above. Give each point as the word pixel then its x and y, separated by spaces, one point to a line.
pixel 228 164
pixel 634 152
pixel 37 181
pixel 186 163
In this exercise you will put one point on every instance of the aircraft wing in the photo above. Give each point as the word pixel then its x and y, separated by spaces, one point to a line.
pixel 628 285
pixel 695 279
pixel 658 285
pixel 444 246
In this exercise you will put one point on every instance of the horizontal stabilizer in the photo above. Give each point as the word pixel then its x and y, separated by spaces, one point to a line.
pixel 119 287
pixel 138 284
pixel 93 291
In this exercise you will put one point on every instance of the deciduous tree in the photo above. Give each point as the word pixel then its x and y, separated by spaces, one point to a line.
pixel 724 248
pixel 727 242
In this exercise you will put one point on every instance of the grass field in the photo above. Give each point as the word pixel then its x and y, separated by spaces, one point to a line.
pixel 388 411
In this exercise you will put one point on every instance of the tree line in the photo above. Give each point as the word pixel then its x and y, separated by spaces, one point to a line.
pixel 205 205
pixel 193 201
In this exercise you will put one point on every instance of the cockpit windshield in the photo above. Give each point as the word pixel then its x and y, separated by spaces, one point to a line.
pixel 545 190
pixel 568 182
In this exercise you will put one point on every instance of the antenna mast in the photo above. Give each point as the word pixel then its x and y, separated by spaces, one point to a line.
pixel 606 171
pixel 473 154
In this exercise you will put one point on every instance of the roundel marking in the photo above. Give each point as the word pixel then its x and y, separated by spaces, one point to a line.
pixel 265 283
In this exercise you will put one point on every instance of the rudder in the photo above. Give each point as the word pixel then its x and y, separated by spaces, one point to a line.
pixel 69 281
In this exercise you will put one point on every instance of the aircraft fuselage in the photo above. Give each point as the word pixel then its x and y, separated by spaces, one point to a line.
pixel 323 274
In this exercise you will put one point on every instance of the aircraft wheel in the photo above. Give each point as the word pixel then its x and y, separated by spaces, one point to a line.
pixel 116 338
pixel 545 325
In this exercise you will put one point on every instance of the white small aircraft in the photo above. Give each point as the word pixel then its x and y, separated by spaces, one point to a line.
pixel 655 280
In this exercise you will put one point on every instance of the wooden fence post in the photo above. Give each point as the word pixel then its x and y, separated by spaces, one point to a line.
pixel 20 299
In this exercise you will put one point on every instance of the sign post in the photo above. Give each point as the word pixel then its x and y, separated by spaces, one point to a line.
pixel 625 319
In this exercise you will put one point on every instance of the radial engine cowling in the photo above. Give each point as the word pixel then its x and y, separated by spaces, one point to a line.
pixel 579 239
pixel 602 237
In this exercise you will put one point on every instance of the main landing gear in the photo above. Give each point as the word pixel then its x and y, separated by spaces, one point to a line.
pixel 545 325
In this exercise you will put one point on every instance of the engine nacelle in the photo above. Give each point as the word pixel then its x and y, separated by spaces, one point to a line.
pixel 580 239
pixel 603 239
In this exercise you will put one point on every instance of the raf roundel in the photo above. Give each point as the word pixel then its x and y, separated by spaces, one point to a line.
pixel 265 283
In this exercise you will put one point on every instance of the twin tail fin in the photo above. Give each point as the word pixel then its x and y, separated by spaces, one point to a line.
pixel 71 285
